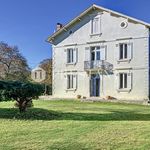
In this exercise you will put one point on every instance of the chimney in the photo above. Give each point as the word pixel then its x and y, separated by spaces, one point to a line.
pixel 59 26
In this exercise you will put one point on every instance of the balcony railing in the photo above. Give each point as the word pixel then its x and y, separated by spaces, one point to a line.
pixel 97 65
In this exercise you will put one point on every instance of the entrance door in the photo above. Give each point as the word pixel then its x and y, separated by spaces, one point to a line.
pixel 95 85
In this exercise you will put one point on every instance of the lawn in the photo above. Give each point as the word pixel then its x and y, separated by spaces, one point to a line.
pixel 74 125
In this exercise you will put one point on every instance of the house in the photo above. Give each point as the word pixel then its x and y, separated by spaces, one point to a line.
pixel 101 53
pixel 38 74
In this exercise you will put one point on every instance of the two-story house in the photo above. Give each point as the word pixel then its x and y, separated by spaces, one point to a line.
pixel 101 53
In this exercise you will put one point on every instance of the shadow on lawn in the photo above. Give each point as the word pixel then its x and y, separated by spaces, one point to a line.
pixel 43 114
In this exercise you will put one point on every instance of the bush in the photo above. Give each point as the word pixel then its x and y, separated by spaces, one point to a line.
pixel 21 92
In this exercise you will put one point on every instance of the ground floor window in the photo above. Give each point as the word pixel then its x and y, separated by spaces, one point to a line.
pixel 123 81
pixel 71 81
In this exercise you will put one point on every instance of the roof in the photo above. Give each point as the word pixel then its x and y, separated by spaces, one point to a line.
pixel 93 7
pixel 37 68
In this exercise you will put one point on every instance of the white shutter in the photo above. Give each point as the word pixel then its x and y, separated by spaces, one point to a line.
pixel 129 81
pixel 75 55
pixel 65 82
pixel 87 54
pixel 91 25
pixel 130 50
pixel 103 52
pixel 75 82
pixel 117 52
pixel 117 81
pixel 66 56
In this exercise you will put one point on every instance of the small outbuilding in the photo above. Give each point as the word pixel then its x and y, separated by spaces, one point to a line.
pixel 38 74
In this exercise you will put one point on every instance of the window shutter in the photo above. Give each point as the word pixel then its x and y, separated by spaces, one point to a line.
pixel 87 54
pixel 75 82
pixel 66 56
pixel 75 55
pixel 117 52
pixel 103 52
pixel 117 81
pixel 65 82
pixel 129 81
pixel 130 50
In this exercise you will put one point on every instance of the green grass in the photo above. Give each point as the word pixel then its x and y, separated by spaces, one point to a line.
pixel 74 125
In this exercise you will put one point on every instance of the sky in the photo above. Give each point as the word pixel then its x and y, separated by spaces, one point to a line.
pixel 28 23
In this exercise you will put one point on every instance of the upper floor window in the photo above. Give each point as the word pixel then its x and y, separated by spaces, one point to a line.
pixel 98 53
pixel 70 55
pixel 123 48
pixel 95 25
pixel 124 52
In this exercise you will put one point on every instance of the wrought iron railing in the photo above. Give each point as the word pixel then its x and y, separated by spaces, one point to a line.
pixel 98 64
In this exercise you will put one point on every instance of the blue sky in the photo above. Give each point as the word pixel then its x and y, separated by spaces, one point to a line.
pixel 27 23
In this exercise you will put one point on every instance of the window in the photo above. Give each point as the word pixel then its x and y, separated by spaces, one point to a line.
pixel 123 80
pixel 96 26
pixel 98 53
pixel 123 51
pixel 70 55
pixel 35 75
pixel 123 24
pixel 40 74
pixel 71 81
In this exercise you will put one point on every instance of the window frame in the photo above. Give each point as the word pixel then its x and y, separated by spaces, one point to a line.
pixel 124 49
pixel 95 26
pixel 123 85
pixel 95 19
pixel 70 83
pixel 94 52
pixel 70 56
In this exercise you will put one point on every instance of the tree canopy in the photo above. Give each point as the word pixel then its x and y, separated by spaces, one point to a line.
pixel 13 66
pixel 46 64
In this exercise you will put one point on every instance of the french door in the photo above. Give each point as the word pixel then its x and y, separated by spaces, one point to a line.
pixel 95 85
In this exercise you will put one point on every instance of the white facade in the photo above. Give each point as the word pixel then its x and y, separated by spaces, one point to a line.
pixel 101 53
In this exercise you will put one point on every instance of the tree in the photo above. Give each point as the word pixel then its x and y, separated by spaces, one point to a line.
pixel 13 65
pixel 46 64
pixel 21 92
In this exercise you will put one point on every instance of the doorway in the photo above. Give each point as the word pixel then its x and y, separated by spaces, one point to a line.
pixel 95 85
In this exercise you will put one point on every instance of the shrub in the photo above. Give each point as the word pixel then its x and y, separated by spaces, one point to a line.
pixel 21 92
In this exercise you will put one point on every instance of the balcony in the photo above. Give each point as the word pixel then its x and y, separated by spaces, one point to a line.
pixel 97 65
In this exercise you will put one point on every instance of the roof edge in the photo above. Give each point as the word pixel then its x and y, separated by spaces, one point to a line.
pixel 94 6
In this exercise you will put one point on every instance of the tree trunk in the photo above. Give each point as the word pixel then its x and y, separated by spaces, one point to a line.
pixel 22 106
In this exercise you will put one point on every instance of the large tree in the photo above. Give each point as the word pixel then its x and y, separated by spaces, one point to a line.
pixel 13 65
